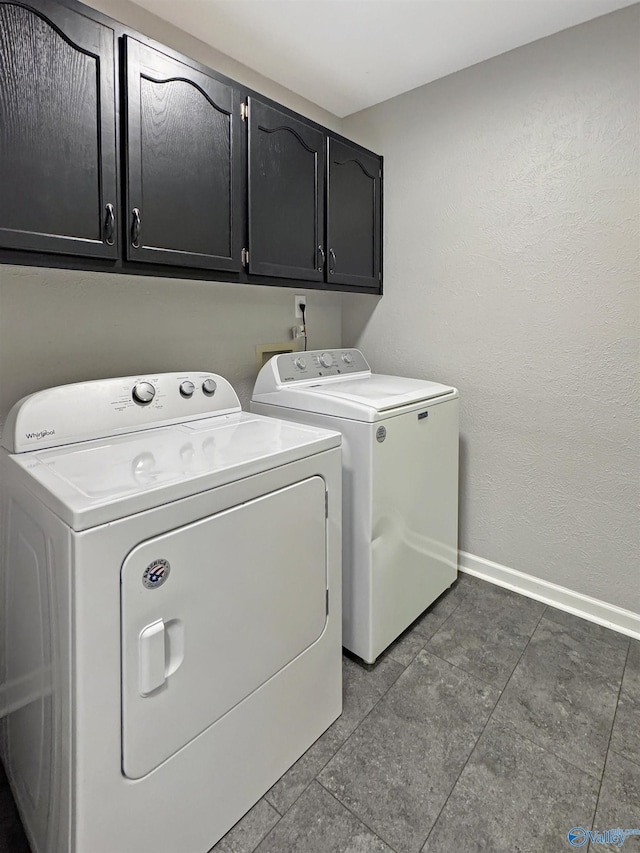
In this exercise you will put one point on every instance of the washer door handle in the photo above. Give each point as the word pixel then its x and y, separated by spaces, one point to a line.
pixel 151 657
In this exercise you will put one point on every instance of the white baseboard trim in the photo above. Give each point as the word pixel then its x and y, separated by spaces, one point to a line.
pixel 609 615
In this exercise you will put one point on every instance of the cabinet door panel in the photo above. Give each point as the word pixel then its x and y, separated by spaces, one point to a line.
pixel 353 216
pixel 57 131
pixel 286 195
pixel 183 167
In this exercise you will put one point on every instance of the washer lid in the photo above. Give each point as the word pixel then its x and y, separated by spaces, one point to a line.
pixel 364 398
pixel 99 481
pixel 383 392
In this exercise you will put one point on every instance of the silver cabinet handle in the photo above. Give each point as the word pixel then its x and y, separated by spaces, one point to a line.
pixel 323 256
pixel 332 261
pixel 135 228
pixel 109 223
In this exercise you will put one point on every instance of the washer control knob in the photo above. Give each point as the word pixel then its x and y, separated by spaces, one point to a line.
pixel 187 388
pixel 209 387
pixel 326 359
pixel 347 357
pixel 143 392
pixel 300 363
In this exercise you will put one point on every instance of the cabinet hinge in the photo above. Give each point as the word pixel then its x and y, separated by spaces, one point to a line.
pixel 244 111
pixel 244 258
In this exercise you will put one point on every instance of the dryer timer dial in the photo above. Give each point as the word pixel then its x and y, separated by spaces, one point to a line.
pixel 143 393
pixel 326 359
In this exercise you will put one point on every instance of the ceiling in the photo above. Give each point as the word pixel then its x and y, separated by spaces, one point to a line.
pixel 345 55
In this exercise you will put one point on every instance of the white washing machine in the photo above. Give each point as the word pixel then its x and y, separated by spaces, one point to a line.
pixel 399 486
pixel 171 637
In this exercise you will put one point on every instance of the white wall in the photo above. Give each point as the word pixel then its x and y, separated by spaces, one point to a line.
pixel 512 271
pixel 59 326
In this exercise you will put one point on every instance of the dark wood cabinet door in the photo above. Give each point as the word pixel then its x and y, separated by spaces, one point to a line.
pixel 58 174
pixel 286 195
pixel 354 210
pixel 184 164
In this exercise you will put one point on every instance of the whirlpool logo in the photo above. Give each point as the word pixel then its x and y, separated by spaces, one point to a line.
pixel 38 436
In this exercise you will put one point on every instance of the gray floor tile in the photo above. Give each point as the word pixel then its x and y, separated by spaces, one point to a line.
pixel 361 689
pixel 584 628
pixel 513 796
pixel 471 590
pixel 487 633
pixel 294 782
pixel 625 738
pixel 442 608
pixel 245 836
pixel 399 766
pixel 563 695
pixel 407 647
pixel 619 802
pixel 317 823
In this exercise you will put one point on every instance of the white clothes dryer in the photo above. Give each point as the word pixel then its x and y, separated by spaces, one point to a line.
pixel 399 486
pixel 171 608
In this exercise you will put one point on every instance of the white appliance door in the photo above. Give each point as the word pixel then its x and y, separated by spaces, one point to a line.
pixel 212 610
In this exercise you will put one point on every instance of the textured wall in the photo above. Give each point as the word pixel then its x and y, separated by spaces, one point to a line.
pixel 512 271
pixel 58 327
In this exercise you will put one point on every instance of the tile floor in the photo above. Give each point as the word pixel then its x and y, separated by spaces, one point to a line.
pixel 494 724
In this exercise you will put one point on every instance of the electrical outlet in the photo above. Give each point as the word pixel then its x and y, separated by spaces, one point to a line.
pixel 300 300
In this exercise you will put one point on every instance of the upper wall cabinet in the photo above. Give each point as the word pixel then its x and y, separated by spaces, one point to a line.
pixel 354 202
pixel 184 164
pixel 58 175
pixel 116 153
pixel 286 195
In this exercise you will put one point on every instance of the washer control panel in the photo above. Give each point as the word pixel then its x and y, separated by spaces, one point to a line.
pixel 317 364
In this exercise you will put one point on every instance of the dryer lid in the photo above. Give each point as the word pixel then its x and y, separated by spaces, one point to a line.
pixel 95 482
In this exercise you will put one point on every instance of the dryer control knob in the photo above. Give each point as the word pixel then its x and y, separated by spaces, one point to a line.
pixel 347 357
pixel 143 392
pixel 301 363
pixel 187 388
pixel 209 387
pixel 326 359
